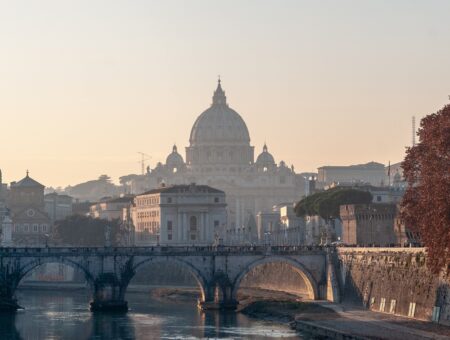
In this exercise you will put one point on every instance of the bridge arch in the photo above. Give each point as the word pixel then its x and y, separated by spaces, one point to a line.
pixel 299 268
pixel 197 275
pixel 34 263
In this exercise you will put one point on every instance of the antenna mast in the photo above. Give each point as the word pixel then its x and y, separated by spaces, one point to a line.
pixel 144 157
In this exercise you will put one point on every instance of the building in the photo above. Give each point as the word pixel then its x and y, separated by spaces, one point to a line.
pixel 32 225
pixel 268 225
pixel 58 206
pixel 220 155
pixel 321 231
pixel 385 194
pixel 281 226
pixel 372 173
pixel 369 224
pixel 111 208
pixel 180 215
pixel 82 208
pixel 3 197
pixel 405 235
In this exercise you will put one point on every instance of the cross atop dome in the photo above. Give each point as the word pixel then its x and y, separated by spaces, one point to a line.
pixel 219 97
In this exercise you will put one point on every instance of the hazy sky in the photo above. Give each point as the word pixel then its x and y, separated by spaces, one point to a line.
pixel 85 85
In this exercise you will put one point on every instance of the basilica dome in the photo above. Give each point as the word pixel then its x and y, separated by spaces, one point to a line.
pixel 219 124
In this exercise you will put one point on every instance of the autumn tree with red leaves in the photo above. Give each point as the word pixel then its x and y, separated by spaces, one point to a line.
pixel 426 203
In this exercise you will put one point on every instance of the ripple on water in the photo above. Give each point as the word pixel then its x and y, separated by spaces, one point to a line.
pixel 266 331
pixel 149 319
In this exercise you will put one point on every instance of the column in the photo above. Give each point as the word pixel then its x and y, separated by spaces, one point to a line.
pixel 179 228
pixel 185 228
pixel 237 212
pixel 209 233
pixel 204 228
pixel 200 228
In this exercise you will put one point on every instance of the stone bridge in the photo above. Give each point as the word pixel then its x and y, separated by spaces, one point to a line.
pixel 217 270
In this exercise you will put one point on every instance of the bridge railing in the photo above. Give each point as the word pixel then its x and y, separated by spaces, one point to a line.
pixel 159 250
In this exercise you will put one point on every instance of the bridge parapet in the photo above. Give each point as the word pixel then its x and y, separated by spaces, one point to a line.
pixel 162 250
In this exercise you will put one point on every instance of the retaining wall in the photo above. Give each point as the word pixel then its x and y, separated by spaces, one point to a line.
pixel 393 280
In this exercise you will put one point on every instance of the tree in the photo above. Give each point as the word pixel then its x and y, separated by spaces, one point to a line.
pixel 79 230
pixel 327 203
pixel 426 203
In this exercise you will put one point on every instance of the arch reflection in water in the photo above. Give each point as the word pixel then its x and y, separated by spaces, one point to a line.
pixel 8 329
pixel 51 315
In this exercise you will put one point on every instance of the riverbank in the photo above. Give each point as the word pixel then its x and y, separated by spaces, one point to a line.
pixel 324 320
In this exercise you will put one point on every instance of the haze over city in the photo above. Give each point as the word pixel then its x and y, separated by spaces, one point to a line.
pixel 209 169
pixel 86 85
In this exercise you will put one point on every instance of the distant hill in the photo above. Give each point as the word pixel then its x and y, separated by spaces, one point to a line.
pixel 94 190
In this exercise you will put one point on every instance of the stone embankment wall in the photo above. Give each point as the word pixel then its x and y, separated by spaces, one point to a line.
pixel 393 280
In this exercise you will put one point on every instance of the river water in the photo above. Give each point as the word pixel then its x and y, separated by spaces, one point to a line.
pixel 65 315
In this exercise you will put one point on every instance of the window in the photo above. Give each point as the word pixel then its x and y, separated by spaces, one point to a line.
pixel 193 237
pixel 412 309
pixel 169 225
pixel 216 224
pixel 44 228
pixel 392 308
pixel 216 199
pixel 169 237
pixel 372 302
pixel 382 304
pixel 25 227
pixel 35 227
pixel 169 199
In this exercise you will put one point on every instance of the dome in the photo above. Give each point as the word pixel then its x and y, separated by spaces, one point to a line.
pixel 174 159
pixel 265 158
pixel 219 124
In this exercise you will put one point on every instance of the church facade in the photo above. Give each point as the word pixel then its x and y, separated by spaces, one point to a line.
pixel 220 155
pixel 32 224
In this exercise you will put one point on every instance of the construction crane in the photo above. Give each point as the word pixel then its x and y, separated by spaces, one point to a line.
pixel 144 157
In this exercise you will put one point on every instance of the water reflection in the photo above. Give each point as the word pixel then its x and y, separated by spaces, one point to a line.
pixel 65 315
pixel 8 328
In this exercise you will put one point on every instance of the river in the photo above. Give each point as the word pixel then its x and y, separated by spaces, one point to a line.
pixel 64 315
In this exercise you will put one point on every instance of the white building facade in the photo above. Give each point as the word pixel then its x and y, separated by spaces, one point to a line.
pixel 111 208
pixel 179 215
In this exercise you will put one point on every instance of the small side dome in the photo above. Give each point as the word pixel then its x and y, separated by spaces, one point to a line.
pixel 265 158
pixel 174 159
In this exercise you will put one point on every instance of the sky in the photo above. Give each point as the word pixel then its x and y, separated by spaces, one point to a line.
pixel 85 85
